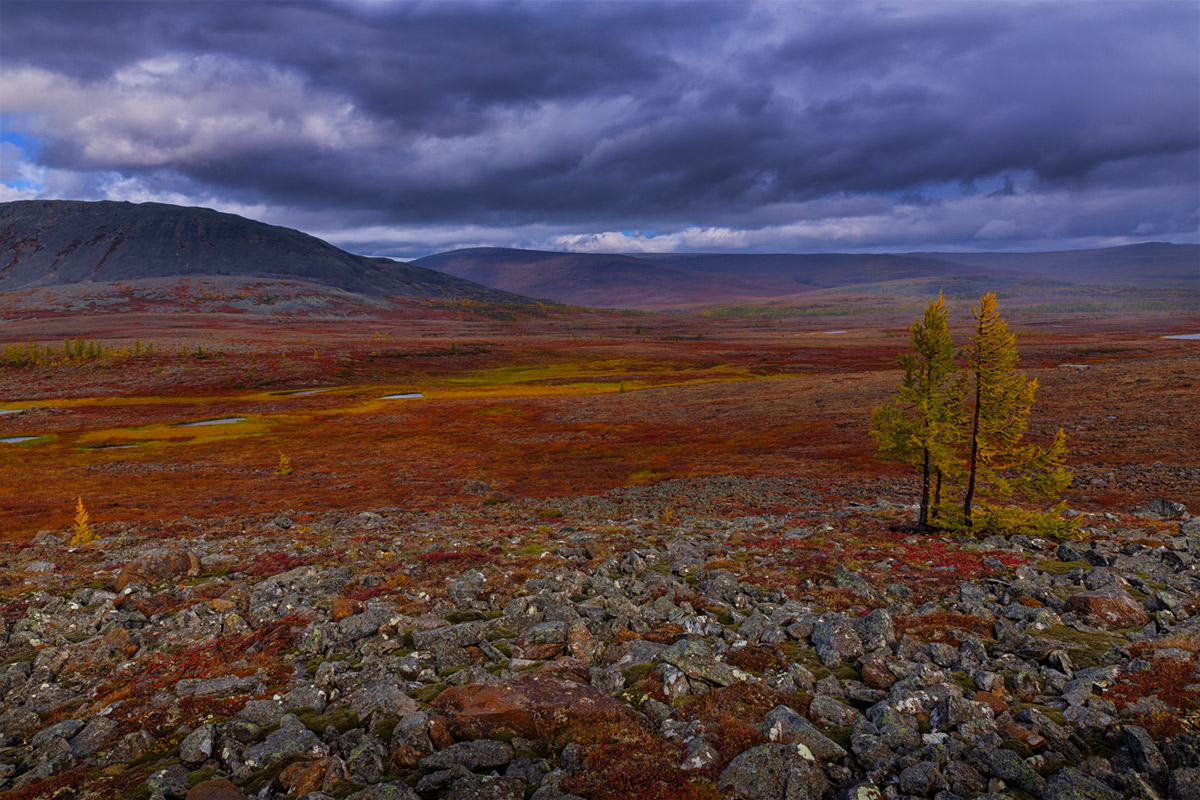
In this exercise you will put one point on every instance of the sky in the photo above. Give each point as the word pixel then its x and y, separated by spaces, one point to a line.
pixel 403 129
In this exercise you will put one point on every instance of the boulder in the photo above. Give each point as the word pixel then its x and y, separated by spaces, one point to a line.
pixel 532 706
pixel 775 772
pixel 1109 608
pixel 159 565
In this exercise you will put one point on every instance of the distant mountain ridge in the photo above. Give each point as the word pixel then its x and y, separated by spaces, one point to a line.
pixel 666 280
pixel 64 242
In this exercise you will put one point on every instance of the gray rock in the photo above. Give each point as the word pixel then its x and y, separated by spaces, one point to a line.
pixel 291 740
pixel 1185 784
pixel 262 712
pixel 380 701
pixel 697 661
pixel 774 772
pixel 921 779
pixel 61 730
pixel 95 735
pixel 303 697
pixel 1145 753
pixel 836 640
pixel 1162 508
pixel 474 755
pixel 833 712
pixel 220 687
pixel 385 791
pixel 197 746
pixel 1012 769
pixel 783 725
pixel 171 782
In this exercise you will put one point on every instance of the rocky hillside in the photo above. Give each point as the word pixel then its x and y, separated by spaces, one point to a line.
pixel 62 243
pixel 401 656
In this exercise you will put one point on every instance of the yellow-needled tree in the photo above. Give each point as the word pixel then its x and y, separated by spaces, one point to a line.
pixel 998 463
pixel 922 424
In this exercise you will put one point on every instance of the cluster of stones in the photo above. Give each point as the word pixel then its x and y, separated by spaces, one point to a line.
pixel 471 699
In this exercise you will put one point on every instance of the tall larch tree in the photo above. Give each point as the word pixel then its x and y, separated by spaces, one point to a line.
pixel 1001 399
pixel 922 424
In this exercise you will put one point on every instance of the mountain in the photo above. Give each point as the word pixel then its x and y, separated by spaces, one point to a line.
pixel 681 280
pixel 62 242
pixel 1138 264
pixel 598 279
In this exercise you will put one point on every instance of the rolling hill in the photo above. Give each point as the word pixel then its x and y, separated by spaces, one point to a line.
pixel 48 243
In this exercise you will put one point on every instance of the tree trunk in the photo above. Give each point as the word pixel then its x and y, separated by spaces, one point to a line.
pixel 937 495
pixel 923 518
pixel 974 454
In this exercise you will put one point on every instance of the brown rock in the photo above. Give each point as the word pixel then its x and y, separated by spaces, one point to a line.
pixel 542 651
pixel 1107 608
pixel 343 608
pixel 581 643
pixel 876 674
pixel 119 641
pixel 439 732
pixel 992 700
pixel 239 595
pixel 304 777
pixel 157 566
pixel 216 789
pixel 533 706
pixel 406 756
pixel 221 605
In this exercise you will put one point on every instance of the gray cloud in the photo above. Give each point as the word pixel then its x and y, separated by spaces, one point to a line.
pixel 410 127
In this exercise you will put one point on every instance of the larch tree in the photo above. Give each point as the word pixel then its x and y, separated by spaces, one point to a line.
pixel 997 461
pixel 922 424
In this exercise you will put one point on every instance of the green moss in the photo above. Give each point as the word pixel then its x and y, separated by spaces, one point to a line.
pixel 343 789
pixel 1086 648
pixel 456 617
pixel 448 671
pixel 838 734
pixel 384 728
pixel 845 672
pixel 964 682
pixel 493 614
pixel 23 656
pixel 200 775
pixel 636 673
pixel 427 694
pixel 343 718
pixel 501 633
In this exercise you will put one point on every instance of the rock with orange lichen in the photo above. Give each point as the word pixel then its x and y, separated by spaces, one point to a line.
pixel 1109 608
pixel 533 706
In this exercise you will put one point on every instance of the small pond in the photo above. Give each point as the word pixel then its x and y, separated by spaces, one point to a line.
pixel 221 421
pixel 1184 336
pixel 408 396
pixel 4 411
pixel 18 439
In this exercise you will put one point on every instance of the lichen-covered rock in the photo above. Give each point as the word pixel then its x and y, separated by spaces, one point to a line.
pixel 534 706
pixel 775 772
pixel 159 565
pixel 1109 608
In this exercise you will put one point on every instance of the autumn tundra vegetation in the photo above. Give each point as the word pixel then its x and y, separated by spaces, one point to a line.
pixel 274 540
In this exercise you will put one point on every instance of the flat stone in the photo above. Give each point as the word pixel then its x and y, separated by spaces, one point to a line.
pixel 533 706
pixel 1108 608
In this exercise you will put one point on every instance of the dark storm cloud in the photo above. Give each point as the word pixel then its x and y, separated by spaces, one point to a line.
pixel 723 125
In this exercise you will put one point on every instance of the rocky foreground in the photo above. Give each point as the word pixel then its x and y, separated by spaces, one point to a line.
pixel 393 656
